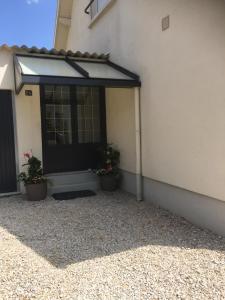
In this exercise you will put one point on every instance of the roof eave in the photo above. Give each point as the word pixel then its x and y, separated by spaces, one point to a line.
pixel 64 11
pixel 56 23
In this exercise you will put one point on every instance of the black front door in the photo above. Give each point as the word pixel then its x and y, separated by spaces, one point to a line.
pixel 73 127
pixel 7 146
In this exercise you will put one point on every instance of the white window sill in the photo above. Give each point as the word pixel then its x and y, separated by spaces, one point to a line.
pixel 101 13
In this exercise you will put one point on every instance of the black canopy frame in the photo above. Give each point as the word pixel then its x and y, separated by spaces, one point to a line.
pixel 22 79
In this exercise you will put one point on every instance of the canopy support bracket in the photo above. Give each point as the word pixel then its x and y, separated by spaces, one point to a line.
pixel 77 67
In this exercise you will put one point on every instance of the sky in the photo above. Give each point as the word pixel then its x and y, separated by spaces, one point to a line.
pixel 27 22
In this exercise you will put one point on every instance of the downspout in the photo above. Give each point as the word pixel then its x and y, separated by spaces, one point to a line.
pixel 138 144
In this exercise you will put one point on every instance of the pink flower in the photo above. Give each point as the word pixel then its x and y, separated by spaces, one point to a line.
pixel 109 167
pixel 27 155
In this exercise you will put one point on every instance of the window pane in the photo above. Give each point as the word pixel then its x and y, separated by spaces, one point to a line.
pixel 97 6
pixel 58 115
pixel 101 4
pixel 94 8
pixel 88 115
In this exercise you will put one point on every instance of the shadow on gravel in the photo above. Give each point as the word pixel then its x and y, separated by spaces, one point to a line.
pixel 72 231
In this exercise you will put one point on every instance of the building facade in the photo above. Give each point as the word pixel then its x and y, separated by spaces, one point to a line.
pixel 177 48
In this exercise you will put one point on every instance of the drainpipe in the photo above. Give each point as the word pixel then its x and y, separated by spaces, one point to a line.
pixel 138 144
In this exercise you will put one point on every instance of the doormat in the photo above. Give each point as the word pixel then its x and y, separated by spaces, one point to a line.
pixel 73 195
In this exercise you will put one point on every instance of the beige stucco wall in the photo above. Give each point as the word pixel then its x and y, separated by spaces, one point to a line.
pixel 120 114
pixel 6 70
pixel 183 91
pixel 27 122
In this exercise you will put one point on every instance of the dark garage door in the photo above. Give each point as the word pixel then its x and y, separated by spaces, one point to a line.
pixel 7 146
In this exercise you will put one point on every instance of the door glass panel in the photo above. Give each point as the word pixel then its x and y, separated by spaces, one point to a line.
pixel 88 115
pixel 58 115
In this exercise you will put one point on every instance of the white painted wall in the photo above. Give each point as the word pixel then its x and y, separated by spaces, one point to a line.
pixel 183 90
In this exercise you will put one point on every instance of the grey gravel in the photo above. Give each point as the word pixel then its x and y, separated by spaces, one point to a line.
pixel 105 247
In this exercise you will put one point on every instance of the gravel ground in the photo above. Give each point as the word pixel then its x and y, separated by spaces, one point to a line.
pixel 105 247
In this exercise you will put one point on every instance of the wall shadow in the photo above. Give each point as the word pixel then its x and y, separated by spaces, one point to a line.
pixel 72 231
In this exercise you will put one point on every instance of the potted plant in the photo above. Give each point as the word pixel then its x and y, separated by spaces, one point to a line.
pixel 109 172
pixel 34 181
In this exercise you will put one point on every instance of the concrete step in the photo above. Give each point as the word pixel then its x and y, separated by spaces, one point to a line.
pixel 72 181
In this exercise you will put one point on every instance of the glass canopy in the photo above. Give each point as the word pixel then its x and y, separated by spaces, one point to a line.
pixel 38 70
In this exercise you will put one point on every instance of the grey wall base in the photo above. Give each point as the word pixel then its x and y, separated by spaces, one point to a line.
pixel 128 183
pixel 201 210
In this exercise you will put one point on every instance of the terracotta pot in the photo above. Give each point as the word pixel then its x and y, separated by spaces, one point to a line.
pixel 36 192
pixel 108 183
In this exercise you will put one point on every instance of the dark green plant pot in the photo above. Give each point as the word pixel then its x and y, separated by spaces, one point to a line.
pixel 109 183
pixel 36 192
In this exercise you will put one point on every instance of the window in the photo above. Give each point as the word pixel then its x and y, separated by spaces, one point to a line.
pixel 97 6
pixel 58 115
pixel 88 115
pixel 72 115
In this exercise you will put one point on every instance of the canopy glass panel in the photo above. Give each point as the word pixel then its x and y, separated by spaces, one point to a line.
pixel 102 70
pixel 46 67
